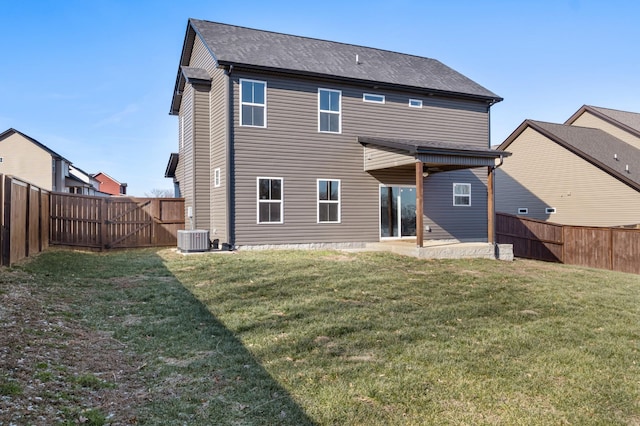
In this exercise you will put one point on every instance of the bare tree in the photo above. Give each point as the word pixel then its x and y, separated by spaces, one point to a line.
pixel 159 193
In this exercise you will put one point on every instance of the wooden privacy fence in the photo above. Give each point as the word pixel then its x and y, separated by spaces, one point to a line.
pixel 616 249
pixel 24 216
pixel 115 222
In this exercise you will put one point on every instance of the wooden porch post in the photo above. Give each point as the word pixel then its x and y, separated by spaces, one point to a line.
pixel 491 216
pixel 419 205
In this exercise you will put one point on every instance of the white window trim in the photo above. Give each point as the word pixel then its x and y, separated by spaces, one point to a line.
pixel 419 101
pixel 550 210
pixel 318 201
pixel 461 195
pixel 254 104
pixel 523 210
pixel 373 101
pixel 216 177
pixel 258 200
pixel 339 113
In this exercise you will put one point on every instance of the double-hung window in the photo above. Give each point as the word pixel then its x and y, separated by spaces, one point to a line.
pixel 461 194
pixel 270 200
pixel 253 103
pixel 329 110
pixel 328 201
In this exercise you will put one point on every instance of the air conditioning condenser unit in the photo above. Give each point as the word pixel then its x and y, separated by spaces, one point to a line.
pixel 193 240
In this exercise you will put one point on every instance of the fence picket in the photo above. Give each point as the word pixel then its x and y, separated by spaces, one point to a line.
pixel 617 249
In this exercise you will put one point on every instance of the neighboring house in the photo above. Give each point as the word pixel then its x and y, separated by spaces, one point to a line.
pixel 584 172
pixel 287 140
pixel 81 182
pixel 26 158
pixel 109 185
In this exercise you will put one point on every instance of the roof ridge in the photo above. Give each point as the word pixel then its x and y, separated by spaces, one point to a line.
pixel 317 39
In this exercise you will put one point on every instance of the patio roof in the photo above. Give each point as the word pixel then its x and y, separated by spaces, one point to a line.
pixel 436 156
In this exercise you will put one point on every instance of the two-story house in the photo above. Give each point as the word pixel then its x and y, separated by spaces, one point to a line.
pixel 26 158
pixel 584 172
pixel 288 140
pixel 109 185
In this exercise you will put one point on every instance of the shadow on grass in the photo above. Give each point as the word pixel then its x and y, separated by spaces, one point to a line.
pixel 196 370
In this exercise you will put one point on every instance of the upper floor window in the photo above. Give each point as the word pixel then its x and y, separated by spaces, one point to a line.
pixel 328 201
pixel 461 194
pixel 269 200
pixel 415 103
pixel 329 109
pixel 369 97
pixel 253 103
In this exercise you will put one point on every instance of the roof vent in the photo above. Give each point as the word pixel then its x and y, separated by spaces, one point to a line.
pixel 357 59
pixel 626 169
pixel 615 157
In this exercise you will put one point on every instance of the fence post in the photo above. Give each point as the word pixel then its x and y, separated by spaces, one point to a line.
pixel 6 225
pixel 104 210
pixel 156 212
pixel 27 221
pixel 611 249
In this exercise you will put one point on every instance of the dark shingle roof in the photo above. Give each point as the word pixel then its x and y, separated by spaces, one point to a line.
pixel 255 48
pixel 628 121
pixel 594 145
pixel 631 119
pixel 197 74
pixel 422 146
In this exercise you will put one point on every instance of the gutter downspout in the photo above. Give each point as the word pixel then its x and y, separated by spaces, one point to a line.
pixel 228 99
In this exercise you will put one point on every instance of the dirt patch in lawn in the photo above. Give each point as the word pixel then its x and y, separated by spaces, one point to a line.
pixel 53 369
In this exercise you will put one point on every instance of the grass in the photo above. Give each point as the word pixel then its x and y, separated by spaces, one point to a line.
pixel 327 338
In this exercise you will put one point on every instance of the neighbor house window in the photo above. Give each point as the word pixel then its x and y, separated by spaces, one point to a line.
pixel 415 103
pixel 523 210
pixel 329 108
pixel 269 200
pixel 368 97
pixel 216 177
pixel 253 103
pixel 461 194
pixel 550 210
pixel 328 201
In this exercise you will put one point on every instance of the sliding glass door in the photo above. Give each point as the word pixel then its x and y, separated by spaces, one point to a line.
pixel 397 211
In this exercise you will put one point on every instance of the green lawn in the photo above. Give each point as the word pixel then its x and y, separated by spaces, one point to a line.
pixel 328 338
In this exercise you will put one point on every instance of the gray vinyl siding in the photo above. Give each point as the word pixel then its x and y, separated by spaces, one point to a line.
pixel 219 134
pixel 201 58
pixel 383 157
pixel 186 173
pixel 446 221
pixel 541 174
pixel 201 159
pixel 293 149
pixel 201 129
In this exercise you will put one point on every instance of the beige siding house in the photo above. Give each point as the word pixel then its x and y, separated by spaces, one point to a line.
pixel 288 140
pixel 31 161
pixel 585 172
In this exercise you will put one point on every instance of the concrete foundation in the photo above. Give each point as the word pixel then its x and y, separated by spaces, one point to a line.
pixel 449 249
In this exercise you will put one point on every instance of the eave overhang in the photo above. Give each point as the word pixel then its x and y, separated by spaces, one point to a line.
pixel 170 171
pixel 373 84
pixel 436 156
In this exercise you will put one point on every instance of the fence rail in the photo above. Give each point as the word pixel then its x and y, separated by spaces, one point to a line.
pixel 32 218
pixel 617 249
pixel 115 222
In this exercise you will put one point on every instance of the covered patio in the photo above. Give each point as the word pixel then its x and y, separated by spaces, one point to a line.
pixel 430 157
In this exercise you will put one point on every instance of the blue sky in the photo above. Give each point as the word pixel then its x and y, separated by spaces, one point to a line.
pixel 92 79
